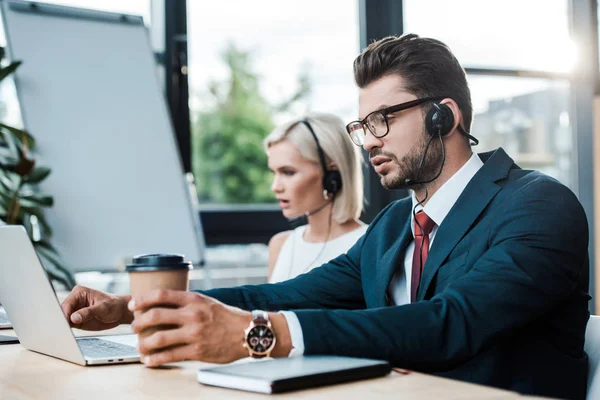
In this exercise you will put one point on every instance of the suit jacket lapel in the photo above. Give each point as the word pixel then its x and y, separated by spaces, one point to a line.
pixel 391 260
pixel 476 196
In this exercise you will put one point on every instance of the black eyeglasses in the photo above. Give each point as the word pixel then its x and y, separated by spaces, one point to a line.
pixel 377 121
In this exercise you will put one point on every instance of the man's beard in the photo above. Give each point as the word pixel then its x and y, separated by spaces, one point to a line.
pixel 408 167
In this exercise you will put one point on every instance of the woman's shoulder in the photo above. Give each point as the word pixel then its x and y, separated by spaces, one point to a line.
pixel 359 230
pixel 278 239
pixel 276 248
pixel 354 234
pixel 362 227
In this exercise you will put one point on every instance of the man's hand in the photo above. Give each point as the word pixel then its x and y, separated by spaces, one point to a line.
pixel 93 310
pixel 206 329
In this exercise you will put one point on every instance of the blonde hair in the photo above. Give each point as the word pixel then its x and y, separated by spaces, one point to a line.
pixel 338 150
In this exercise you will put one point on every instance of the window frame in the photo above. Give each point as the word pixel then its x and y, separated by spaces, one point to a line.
pixel 233 224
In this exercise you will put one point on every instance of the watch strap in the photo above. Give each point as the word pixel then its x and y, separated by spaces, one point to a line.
pixel 260 317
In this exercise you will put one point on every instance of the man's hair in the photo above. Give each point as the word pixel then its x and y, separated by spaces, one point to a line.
pixel 426 65
pixel 338 148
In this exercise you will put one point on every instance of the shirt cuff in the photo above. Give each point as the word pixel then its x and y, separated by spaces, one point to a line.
pixel 295 333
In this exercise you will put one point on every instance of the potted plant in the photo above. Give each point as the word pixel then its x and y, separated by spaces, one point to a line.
pixel 21 202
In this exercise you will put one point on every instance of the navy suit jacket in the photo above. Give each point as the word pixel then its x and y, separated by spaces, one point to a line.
pixel 502 301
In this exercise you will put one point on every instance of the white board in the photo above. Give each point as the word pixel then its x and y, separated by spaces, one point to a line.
pixel 89 93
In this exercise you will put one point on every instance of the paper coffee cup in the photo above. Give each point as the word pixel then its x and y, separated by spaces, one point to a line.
pixel 158 271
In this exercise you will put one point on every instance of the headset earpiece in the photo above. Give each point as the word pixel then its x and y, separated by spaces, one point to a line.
pixel 439 120
pixel 332 179
pixel 332 182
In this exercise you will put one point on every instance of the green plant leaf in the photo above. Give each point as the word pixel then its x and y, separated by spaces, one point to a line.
pixel 9 166
pixel 31 202
pixel 39 213
pixel 64 277
pixel 48 252
pixel 19 134
pixel 53 277
pixel 6 196
pixel 9 152
pixel 6 183
pixel 9 139
pixel 9 69
pixel 37 175
pixel 48 246
pixel 36 199
pixel 5 153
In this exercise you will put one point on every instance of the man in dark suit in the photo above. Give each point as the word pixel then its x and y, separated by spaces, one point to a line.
pixel 481 275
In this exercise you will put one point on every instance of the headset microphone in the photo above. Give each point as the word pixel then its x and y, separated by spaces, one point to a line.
pixel 332 181
pixel 303 219
pixel 410 182
pixel 438 123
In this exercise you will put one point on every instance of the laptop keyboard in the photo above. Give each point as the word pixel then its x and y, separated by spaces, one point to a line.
pixel 98 348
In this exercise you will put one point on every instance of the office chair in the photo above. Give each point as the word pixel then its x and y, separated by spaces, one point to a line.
pixel 592 348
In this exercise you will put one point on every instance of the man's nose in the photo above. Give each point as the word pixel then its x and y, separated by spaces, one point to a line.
pixel 371 142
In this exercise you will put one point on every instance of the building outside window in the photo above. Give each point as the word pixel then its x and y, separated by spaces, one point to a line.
pixel 518 68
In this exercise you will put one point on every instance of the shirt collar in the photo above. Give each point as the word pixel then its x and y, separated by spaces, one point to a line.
pixel 440 204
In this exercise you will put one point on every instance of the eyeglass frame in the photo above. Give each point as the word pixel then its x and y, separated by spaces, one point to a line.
pixel 390 110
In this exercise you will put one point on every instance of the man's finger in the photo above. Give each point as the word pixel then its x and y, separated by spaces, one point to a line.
pixel 67 308
pixel 169 338
pixel 180 353
pixel 100 311
pixel 161 297
pixel 72 302
pixel 82 316
pixel 157 316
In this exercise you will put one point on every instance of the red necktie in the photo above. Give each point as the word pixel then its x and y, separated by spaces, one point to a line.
pixel 422 221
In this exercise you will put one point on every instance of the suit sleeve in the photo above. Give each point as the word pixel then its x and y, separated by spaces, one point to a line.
pixel 334 285
pixel 535 260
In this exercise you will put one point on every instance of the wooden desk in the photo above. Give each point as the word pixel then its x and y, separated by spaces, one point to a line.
pixel 28 375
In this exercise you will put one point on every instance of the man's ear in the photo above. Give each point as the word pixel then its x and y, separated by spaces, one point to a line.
pixel 455 111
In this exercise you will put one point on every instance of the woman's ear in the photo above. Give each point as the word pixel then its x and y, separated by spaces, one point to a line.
pixel 332 167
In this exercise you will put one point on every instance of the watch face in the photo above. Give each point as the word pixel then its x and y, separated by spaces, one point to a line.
pixel 260 338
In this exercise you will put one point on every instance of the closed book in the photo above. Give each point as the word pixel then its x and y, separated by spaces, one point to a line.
pixel 285 374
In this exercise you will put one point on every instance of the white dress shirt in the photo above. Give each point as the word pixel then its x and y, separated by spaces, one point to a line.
pixel 437 208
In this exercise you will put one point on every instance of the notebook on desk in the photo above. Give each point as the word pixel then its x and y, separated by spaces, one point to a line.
pixel 285 374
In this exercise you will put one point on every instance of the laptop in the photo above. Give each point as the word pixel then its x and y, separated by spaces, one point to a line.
pixel 34 310
pixel 4 321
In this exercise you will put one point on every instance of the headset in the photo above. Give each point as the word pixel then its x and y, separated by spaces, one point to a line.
pixel 332 179
pixel 440 120
pixel 438 123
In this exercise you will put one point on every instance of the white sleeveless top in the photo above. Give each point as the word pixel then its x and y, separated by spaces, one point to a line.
pixel 298 256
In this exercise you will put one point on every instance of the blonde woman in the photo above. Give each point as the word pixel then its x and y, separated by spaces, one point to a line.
pixel 317 179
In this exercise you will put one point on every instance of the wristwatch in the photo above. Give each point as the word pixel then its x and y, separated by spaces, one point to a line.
pixel 259 335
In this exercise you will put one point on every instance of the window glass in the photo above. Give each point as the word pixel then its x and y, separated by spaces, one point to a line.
pixel 529 118
pixel 512 34
pixel 253 65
